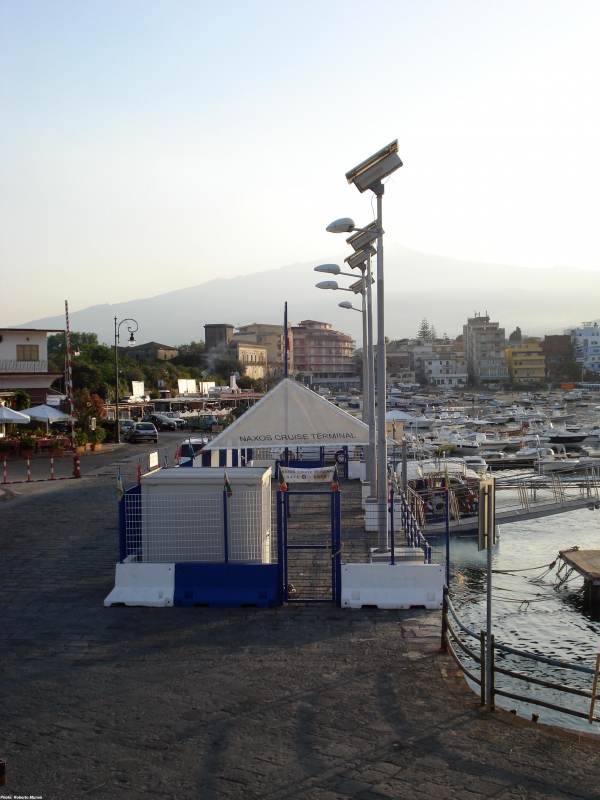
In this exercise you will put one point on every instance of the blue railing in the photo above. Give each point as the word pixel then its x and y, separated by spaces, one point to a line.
pixel 409 524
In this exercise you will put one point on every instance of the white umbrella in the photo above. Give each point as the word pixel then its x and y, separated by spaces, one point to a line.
pixel 8 415
pixel 48 414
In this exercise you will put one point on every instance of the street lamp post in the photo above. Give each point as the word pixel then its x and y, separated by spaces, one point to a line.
pixel 368 175
pixel 130 341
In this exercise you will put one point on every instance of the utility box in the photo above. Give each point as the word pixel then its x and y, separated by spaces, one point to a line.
pixel 186 516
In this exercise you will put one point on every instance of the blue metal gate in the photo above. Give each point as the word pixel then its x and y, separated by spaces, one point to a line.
pixel 309 546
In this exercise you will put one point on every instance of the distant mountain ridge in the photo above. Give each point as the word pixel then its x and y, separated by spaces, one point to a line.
pixel 444 290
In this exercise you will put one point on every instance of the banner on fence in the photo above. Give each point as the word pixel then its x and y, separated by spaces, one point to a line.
pixel 299 475
pixel 153 460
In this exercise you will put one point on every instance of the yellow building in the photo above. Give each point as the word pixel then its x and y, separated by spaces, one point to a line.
pixel 526 363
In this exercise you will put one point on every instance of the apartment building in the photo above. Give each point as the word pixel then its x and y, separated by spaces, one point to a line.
pixel 24 362
pixel 273 338
pixel 485 344
pixel 526 363
pixel 586 339
pixel 322 353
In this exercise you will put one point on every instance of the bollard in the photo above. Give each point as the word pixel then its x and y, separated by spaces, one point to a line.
pixel 28 469
pixel 76 471
pixel 51 466
pixel 2 766
pixel 4 470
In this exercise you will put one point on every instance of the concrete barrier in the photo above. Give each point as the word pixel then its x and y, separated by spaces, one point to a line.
pixel 403 585
pixel 139 584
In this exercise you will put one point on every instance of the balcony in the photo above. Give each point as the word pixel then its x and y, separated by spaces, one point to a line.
pixel 10 365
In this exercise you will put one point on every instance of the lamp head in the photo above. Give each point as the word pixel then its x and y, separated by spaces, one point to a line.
pixel 345 304
pixel 374 169
pixel 327 285
pixel 332 269
pixel 344 225
pixel 131 340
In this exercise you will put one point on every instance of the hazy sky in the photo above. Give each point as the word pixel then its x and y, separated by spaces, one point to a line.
pixel 148 146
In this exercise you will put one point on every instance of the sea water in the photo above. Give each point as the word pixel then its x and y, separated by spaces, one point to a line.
pixel 530 613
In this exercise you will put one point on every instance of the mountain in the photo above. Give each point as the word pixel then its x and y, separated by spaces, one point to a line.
pixel 444 290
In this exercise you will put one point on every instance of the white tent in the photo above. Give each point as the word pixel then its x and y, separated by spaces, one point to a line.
pixel 48 414
pixel 8 415
pixel 290 415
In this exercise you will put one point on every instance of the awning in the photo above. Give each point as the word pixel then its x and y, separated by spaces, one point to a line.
pixel 290 415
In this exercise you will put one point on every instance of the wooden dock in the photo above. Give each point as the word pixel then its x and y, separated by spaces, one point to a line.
pixel 585 562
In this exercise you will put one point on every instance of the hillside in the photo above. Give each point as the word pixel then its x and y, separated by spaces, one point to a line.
pixel 418 285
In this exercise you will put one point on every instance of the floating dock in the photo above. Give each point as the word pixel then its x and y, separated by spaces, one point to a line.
pixel 587 564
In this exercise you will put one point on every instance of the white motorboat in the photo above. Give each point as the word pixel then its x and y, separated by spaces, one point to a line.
pixel 410 421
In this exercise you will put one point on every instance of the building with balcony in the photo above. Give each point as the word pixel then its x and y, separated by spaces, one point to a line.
pixel 558 352
pixel 586 340
pixel 526 363
pixel 24 362
pixel 485 343
pixel 274 340
pixel 322 354
pixel 252 356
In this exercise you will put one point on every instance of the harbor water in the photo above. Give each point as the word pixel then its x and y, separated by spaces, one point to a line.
pixel 529 613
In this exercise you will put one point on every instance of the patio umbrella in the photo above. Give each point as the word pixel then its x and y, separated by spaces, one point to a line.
pixel 47 414
pixel 8 415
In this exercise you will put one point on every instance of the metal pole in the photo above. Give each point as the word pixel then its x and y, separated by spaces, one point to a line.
pixel 372 468
pixel 366 414
pixel 285 341
pixel 381 382
pixel 488 660
pixel 76 473
pixel 447 536
pixel 118 434
pixel 404 466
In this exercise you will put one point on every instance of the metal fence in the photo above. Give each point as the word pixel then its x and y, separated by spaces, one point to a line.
pixel 451 639
pixel 198 527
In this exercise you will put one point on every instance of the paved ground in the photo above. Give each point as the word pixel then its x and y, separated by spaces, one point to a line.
pixel 295 702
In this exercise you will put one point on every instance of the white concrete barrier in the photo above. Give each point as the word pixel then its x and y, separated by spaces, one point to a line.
pixel 143 584
pixel 403 585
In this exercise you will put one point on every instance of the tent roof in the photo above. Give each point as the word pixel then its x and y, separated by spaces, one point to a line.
pixel 47 413
pixel 291 415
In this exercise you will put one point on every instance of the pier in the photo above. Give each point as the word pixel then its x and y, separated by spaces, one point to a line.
pixel 587 564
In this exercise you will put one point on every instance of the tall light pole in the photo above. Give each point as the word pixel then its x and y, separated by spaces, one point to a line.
pixel 130 341
pixel 360 287
pixel 369 175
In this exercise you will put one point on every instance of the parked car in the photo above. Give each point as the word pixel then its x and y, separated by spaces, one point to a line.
pixel 126 424
pixel 181 423
pixel 186 448
pixel 142 432
pixel 162 423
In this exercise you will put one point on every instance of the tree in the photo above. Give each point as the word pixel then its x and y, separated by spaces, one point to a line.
pixel 22 400
pixel 87 406
pixel 516 335
pixel 425 331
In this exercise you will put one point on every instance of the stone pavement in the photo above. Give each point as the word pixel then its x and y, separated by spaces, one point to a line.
pixel 294 702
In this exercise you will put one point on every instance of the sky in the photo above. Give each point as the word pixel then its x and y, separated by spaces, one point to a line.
pixel 149 146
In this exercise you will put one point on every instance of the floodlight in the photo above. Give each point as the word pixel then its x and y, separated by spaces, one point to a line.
pixel 358 287
pixel 358 259
pixel 359 240
pixel 327 285
pixel 344 225
pixel 345 304
pixel 332 269
pixel 375 168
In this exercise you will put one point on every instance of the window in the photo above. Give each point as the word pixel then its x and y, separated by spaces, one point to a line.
pixel 28 352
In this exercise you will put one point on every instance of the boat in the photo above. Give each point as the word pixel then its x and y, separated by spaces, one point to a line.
pixel 409 421
pixel 563 436
pixel 353 404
